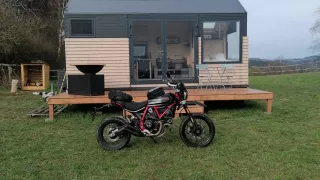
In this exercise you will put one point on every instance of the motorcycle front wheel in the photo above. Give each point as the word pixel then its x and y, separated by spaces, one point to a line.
pixel 199 133
pixel 105 138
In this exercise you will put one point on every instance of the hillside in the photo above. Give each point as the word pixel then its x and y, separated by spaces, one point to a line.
pixel 265 62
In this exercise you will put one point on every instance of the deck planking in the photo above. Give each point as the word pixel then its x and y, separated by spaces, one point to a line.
pixel 194 95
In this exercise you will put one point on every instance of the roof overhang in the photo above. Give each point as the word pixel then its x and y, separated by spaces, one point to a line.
pixel 154 6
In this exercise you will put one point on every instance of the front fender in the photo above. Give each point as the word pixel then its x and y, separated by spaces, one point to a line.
pixel 195 103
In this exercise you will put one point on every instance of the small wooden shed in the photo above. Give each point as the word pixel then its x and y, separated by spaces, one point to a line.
pixel 35 76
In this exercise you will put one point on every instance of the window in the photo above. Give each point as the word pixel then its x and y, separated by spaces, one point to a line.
pixel 82 27
pixel 221 41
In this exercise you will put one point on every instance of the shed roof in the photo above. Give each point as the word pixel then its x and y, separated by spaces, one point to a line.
pixel 153 6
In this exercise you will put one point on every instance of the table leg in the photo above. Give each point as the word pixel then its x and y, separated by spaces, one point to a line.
pixel 220 76
pixel 269 105
pixel 51 111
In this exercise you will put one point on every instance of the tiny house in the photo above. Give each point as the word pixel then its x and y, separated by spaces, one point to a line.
pixel 139 41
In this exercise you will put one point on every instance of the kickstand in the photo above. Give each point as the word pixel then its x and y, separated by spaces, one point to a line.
pixel 154 140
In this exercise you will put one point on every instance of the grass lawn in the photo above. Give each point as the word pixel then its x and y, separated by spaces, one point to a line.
pixel 249 143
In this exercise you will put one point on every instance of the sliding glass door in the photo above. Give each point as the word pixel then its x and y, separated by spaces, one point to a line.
pixel 180 49
pixel 161 46
pixel 146 51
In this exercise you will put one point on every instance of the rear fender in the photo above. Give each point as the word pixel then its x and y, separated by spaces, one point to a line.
pixel 120 118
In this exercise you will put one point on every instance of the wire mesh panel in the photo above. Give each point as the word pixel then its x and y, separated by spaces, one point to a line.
pixel 9 72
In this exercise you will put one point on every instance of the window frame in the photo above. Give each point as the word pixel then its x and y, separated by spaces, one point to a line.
pixel 82 35
pixel 223 19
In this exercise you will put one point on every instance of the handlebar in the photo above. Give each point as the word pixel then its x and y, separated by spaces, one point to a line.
pixel 172 84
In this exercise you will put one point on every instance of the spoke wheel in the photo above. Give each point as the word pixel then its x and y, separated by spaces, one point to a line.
pixel 199 133
pixel 105 136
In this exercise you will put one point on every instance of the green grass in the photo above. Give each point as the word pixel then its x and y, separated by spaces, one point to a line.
pixel 249 143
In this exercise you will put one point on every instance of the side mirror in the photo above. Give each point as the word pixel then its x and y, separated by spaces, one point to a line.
pixel 168 75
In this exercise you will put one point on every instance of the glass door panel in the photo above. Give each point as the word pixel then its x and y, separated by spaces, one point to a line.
pixel 147 55
pixel 180 49
pixel 160 46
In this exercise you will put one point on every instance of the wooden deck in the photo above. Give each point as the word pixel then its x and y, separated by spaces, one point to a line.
pixel 194 95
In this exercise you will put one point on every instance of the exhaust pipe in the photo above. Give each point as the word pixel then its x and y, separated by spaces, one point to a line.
pixel 130 129
pixel 134 131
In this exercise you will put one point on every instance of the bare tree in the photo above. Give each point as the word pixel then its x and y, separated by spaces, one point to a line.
pixel 26 6
pixel 31 29
pixel 59 6
pixel 315 30
pixel 21 34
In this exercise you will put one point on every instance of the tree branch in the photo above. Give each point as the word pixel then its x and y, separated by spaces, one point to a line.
pixel 23 7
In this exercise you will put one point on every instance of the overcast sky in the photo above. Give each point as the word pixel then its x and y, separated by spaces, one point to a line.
pixel 280 27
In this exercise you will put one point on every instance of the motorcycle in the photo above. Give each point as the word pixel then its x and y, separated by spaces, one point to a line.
pixel 150 118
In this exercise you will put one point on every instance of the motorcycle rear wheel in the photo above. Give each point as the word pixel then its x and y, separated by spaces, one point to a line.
pixel 112 143
pixel 193 135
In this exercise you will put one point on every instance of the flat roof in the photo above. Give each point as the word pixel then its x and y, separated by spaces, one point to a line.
pixel 153 6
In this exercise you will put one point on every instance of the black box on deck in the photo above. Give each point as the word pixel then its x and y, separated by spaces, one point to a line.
pixel 87 85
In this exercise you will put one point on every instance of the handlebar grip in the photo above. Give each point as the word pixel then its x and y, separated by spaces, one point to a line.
pixel 171 84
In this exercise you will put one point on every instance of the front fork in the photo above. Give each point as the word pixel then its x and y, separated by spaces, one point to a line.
pixel 190 115
pixel 188 112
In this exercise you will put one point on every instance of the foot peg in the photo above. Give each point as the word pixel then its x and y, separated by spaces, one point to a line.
pixel 146 132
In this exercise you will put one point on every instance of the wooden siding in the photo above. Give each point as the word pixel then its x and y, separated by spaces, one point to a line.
pixel 160 85
pixel 113 52
pixel 240 74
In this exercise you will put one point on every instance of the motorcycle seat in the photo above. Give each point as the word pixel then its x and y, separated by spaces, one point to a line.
pixel 134 106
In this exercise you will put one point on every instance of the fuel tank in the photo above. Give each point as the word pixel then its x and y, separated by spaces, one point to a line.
pixel 162 100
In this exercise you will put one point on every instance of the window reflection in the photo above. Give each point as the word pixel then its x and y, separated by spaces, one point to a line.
pixel 221 41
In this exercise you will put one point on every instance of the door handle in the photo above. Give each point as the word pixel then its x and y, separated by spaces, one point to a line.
pixel 161 53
